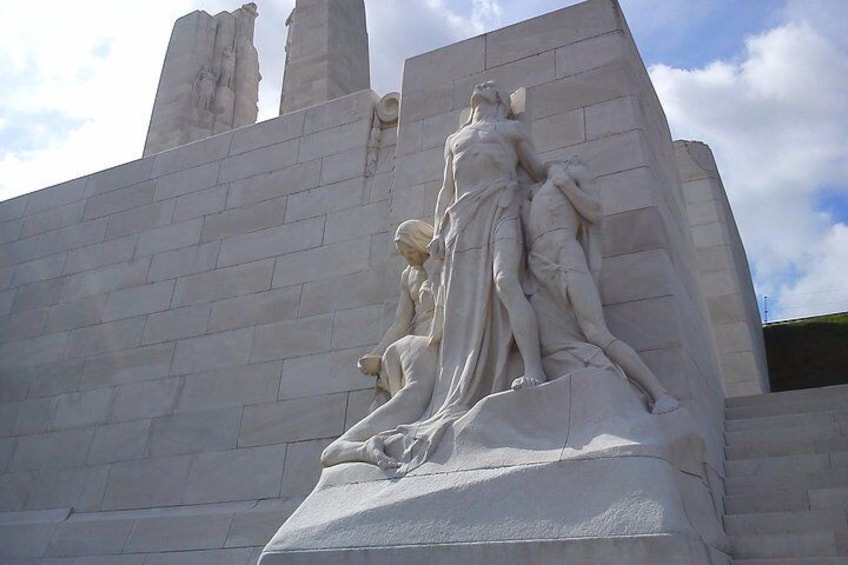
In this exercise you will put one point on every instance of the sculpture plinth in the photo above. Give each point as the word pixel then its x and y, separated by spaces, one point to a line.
pixel 524 477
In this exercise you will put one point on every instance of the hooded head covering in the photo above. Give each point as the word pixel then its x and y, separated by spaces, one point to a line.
pixel 415 233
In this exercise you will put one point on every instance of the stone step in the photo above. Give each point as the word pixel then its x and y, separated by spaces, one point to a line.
pixel 835 403
pixel 777 448
pixel 755 503
pixel 787 501
pixel 786 464
pixel 817 544
pixel 794 433
pixel 811 521
pixel 793 561
pixel 837 391
pixel 774 484
pixel 791 420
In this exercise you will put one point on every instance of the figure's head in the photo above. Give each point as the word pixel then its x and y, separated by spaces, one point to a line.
pixel 411 240
pixel 490 93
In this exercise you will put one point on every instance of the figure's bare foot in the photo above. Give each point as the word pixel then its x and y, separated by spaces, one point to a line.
pixel 526 381
pixel 373 452
pixel 664 404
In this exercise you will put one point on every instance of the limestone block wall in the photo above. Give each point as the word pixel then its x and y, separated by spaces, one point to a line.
pixel 178 339
pixel 588 93
pixel 724 274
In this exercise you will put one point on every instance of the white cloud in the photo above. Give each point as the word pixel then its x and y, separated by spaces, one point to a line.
pixel 77 92
pixel 823 287
pixel 79 87
pixel 777 120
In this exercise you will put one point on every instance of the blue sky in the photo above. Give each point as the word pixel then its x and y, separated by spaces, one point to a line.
pixel 763 82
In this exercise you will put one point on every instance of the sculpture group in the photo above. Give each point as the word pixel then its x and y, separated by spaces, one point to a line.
pixel 510 266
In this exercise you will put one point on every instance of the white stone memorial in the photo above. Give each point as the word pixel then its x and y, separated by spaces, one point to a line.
pixel 579 456
pixel 326 53
pixel 210 79
pixel 487 319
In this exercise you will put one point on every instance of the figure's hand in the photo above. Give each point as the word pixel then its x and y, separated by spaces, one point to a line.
pixel 369 365
pixel 558 174
pixel 374 452
pixel 436 247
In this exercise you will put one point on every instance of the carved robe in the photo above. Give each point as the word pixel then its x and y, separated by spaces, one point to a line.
pixel 477 338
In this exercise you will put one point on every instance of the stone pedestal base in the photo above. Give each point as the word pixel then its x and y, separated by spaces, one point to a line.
pixel 629 550
pixel 573 471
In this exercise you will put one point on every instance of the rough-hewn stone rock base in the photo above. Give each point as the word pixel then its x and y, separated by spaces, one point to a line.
pixel 669 549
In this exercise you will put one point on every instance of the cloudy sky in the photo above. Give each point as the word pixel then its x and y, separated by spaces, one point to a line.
pixel 763 82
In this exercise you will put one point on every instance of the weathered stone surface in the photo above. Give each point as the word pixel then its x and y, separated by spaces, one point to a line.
pixel 105 279
pixel 216 351
pixel 723 272
pixel 101 254
pixel 53 219
pixel 200 203
pixel 210 79
pixel 139 219
pixel 241 386
pixel 186 261
pixel 224 283
pixel 254 309
pixel 119 442
pixel 146 483
pixel 293 420
pixel 136 301
pixel 113 336
pixel 608 400
pixel 71 237
pixel 337 369
pixel 82 408
pixel 176 324
pixel 178 533
pixel 322 62
pixel 291 338
pixel 257 525
pixel 119 200
pixel 288 180
pixel 50 450
pixel 219 476
pixel 77 487
pixel 168 238
pixel 84 537
pixel 332 260
pixel 271 242
pixel 145 399
pixel 35 351
pixel 209 430
pixel 53 197
pixel 303 467
pixel 266 214
pixel 186 181
pixel 128 366
pixel 268 132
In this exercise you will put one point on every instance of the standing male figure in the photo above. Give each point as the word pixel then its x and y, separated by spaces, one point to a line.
pixel 479 237
pixel 565 260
